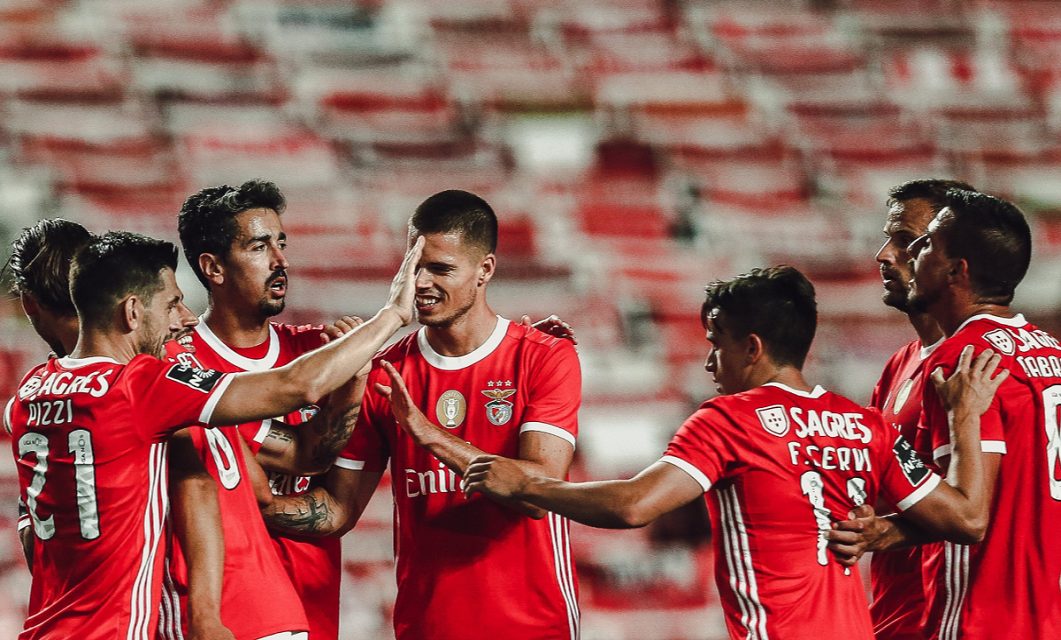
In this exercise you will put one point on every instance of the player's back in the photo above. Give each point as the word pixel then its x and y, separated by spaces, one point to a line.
pixel 783 464
pixel 95 488
pixel 1006 586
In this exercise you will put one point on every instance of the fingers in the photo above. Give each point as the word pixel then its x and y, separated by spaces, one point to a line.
pixel 965 358
pixel 383 390
pixel 862 511
pixel 396 378
pixel 937 378
pixel 525 321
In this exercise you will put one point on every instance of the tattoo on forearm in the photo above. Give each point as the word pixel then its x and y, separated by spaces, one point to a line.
pixel 280 434
pixel 298 514
pixel 334 434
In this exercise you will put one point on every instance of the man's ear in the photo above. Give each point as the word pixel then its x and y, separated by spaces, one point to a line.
pixel 213 268
pixel 959 268
pixel 755 349
pixel 487 268
pixel 29 304
pixel 131 313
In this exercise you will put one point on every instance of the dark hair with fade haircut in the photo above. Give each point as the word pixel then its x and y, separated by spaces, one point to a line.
pixel 40 262
pixel 207 224
pixel 460 211
pixel 113 266
pixel 931 190
pixel 777 304
pixel 993 237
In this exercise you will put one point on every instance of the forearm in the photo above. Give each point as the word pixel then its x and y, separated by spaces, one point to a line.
pixel 25 538
pixel 197 523
pixel 315 513
pixel 603 504
pixel 965 470
pixel 325 435
pixel 895 532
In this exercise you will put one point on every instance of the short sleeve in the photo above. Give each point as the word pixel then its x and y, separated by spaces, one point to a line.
pixel 702 447
pixel 7 414
pixel 555 394
pixel 904 478
pixel 254 433
pixel 367 448
pixel 934 422
pixel 166 397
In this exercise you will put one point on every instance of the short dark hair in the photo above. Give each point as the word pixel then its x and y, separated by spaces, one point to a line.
pixel 993 238
pixel 777 304
pixel 207 219
pixel 932 190
pixel 456 210
pixel 40 262
pixel 113 266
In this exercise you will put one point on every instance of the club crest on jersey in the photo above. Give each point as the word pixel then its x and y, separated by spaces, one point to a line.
pixel 451 409
pixel 774 419
pixel 1001 340
pixel 498 410
pixel 903 395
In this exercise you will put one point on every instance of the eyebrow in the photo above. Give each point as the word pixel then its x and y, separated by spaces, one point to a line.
pixel 265 237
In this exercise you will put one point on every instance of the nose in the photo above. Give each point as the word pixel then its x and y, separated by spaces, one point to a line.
pixel 279 259
pixel 423 279
pixel 885 255
pixel 711 363
pixel 188 317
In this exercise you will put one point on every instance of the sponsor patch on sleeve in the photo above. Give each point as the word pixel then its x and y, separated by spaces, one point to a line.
pixel 914 470
pixel 199 379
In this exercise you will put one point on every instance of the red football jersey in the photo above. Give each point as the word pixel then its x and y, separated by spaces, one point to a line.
pixel 90 436
pixel 1006 586
pixel 251 561
pixel 313 564
pixel 470 568
pixel 785 464
pixel 895 576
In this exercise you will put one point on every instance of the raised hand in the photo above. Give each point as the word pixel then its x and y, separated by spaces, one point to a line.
pixel 402 405
pixel 971 387
pixel 553 325
pixel 403 287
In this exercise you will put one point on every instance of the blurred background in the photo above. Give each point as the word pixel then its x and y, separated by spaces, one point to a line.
pixel 633 149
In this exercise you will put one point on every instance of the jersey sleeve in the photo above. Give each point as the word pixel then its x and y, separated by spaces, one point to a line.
pixel 704 446
pixel 555 394
pixel 903 478
pixel 934 428
pixel 254 433
pixel 367 448
pixel 7 414
pixel 166 396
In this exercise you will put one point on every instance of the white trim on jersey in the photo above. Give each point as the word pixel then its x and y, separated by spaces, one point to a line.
pixel 287 635
pixel 926 488
pixel 817 392
pixel 76 363
pixel 455 363
pixel 215 397
pixel 154 516
pixel 560 532
pixel 24 522
pixel 247 364
pixel 738 558
pixel 169 621
pixel 346 463
pixel 1016 321
pixel 552 430
pixel 7 414
pixel 688 467
pixel 956 567
pixel 986 446
pixel 927 351
pixel 263 431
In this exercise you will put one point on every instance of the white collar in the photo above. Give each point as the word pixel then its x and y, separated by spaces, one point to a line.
pixel 927 351
pixel 247 364
pixel 453 363
pixel 817 392
pixel 76 363
pixel 1016 321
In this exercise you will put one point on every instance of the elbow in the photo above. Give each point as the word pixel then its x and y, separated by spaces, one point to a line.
pixel 973 530
pixel 633 517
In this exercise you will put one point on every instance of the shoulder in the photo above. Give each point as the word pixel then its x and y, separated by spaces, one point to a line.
pixel 538 344
pixel 400 350
pixel 907 352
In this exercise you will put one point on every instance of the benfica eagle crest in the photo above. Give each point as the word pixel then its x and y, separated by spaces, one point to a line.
pixel 498 410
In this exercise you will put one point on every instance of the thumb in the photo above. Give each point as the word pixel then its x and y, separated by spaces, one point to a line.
pixel 937 377
pixel 384 390
pixel 525 321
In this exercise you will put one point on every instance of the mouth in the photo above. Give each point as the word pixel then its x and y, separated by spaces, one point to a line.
pixel 427 302
pixel 185 341
pixel 278 287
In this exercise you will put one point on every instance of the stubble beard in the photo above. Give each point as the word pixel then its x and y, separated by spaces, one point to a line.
pixel 269 308
pixel 447 321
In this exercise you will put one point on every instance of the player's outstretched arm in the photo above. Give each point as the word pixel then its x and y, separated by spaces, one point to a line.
pixel 329 510
pixel 263 394
pixel 196 517
pixel 541 454
pixel 610 504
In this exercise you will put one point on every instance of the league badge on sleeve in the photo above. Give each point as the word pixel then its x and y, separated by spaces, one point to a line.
pixel 499 410
pixel 1001 340
pixel 199 379
pixel 914 470
pixel 774 419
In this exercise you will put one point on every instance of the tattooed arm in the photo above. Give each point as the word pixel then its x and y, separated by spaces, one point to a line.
pixel 329 510
pixel 310 448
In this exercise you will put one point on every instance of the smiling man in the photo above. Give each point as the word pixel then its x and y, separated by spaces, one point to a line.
pixel 777 461
pixel 467 569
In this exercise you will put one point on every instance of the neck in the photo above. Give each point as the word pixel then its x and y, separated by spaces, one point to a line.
pixel 235 328
pixel 97 344
pixel 66 331
pixel 950 314
pixel 787 375
pixel 928 331
pixel 465 334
